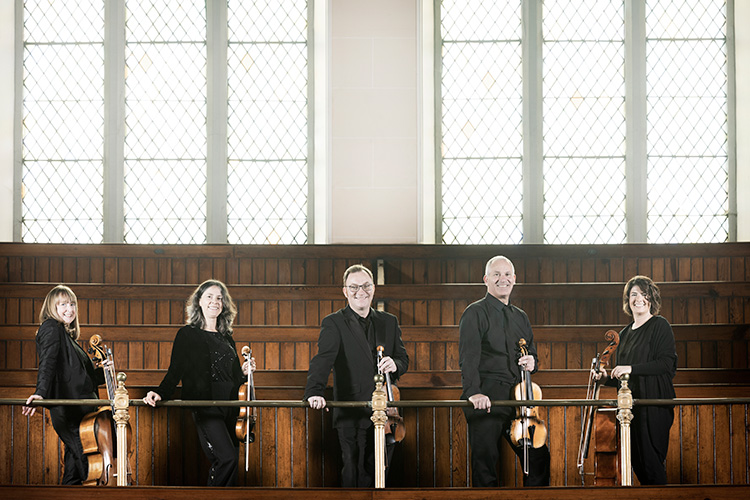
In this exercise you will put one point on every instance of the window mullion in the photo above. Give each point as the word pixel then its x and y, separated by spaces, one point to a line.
pixel 636 204
pixel 533 178
pixel 114 122
pixel 216 122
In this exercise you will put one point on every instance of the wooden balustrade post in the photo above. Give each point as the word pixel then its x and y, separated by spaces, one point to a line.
pixel 624 416
pixel 121 403
pixel 379 418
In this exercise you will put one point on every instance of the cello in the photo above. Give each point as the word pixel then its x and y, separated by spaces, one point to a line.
pixel 245 424
pixel 98 430
pixel 395 430
pixel 589 412
pixel 527 429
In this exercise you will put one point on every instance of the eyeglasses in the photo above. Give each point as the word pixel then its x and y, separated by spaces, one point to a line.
pixel 355 288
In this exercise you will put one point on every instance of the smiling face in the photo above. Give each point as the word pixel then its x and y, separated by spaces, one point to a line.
pixel 211 303
pixel 66 309
pixel 500 279
pixel 359 291
pixel 639 302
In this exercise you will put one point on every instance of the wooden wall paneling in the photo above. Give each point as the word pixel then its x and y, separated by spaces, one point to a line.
pixel 20 452
pixel 437 356
pixel 738 269
pixel 722 439
pixel 6 452
pixel 673 462
pixel 689 431
pixel 683 269
pixel 272 360
pixel 36 468
pixel 738 444
pixel 706 448
pixel 442 447
pixel 739 353
pixel 69 270
pixel 41 269
pixel 708 354
pixel 696 269
pixel 272 313
pixel 53 451
pixel 165 355
pixel 110 270
pixel 572 416
pixel 557 444
pixel 268 446
pixel 13 354
pixel 426 447
pixel 284 453
pixel 97 269
pixel 142 438
pixel 124 270
pixel 460 460
pixel 299 447
pixel 298 313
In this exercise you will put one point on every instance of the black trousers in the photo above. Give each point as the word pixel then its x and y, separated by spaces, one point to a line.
pixel 649 441
pixel 216 434
pixel 358 456
pixel 66 421
pixel 485 432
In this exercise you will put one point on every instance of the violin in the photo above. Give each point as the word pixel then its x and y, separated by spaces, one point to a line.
pixel 592 392
pixel 98 430
pixel 527 429
pixel 395 430
pixel 243 429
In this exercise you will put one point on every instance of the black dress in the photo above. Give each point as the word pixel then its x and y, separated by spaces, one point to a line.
pixel 650 351
pixel 208 365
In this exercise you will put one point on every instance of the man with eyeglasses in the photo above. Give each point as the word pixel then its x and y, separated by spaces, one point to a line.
pixel 348 344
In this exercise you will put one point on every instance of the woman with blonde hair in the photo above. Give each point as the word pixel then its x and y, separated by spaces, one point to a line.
pixel 65 372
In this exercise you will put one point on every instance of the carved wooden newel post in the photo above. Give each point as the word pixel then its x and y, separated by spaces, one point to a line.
pixel 121 416
pixel 625 415
pixel 379 418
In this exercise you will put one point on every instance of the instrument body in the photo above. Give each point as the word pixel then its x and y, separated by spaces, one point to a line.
pixel 395 430
pixel 591 419
pixel 98 430
pixel 527 429
pixel 245 424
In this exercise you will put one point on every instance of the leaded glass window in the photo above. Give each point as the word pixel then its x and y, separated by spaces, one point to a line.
pixel 584 121
pixel 481 122
pixel 267 121
pixel 62 174
pixel 165 119
pixel 688 168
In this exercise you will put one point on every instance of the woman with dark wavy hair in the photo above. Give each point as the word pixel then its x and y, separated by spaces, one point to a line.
pixel 647 353
pixel 204 357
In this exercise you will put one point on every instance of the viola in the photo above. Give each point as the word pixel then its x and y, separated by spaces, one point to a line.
pixel 527 429
pixel 245 424
pixel 592 392
pixel 98 430
pixel 395 430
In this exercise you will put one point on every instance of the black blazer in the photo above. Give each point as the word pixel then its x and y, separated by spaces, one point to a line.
pixel 343 347
pixel 191 363
pixel 65 372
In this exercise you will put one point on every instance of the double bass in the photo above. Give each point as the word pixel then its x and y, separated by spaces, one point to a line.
pixel 98 430
pixel 604 427
pixel 527 429
pixel 395 430
pixel 245 424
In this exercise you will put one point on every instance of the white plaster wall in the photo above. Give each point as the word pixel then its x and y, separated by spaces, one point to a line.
pixel 374 191
pixel 742 58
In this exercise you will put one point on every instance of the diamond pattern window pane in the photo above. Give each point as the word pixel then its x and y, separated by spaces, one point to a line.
pixel 165 117
pixel 267 122
pixel 63 80
pixel 688 168
pixel 481 122
pixel 584 122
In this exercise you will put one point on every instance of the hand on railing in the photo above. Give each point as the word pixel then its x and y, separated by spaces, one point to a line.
pixel 30 410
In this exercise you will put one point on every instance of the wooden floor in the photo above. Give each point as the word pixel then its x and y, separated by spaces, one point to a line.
pixel 720 492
